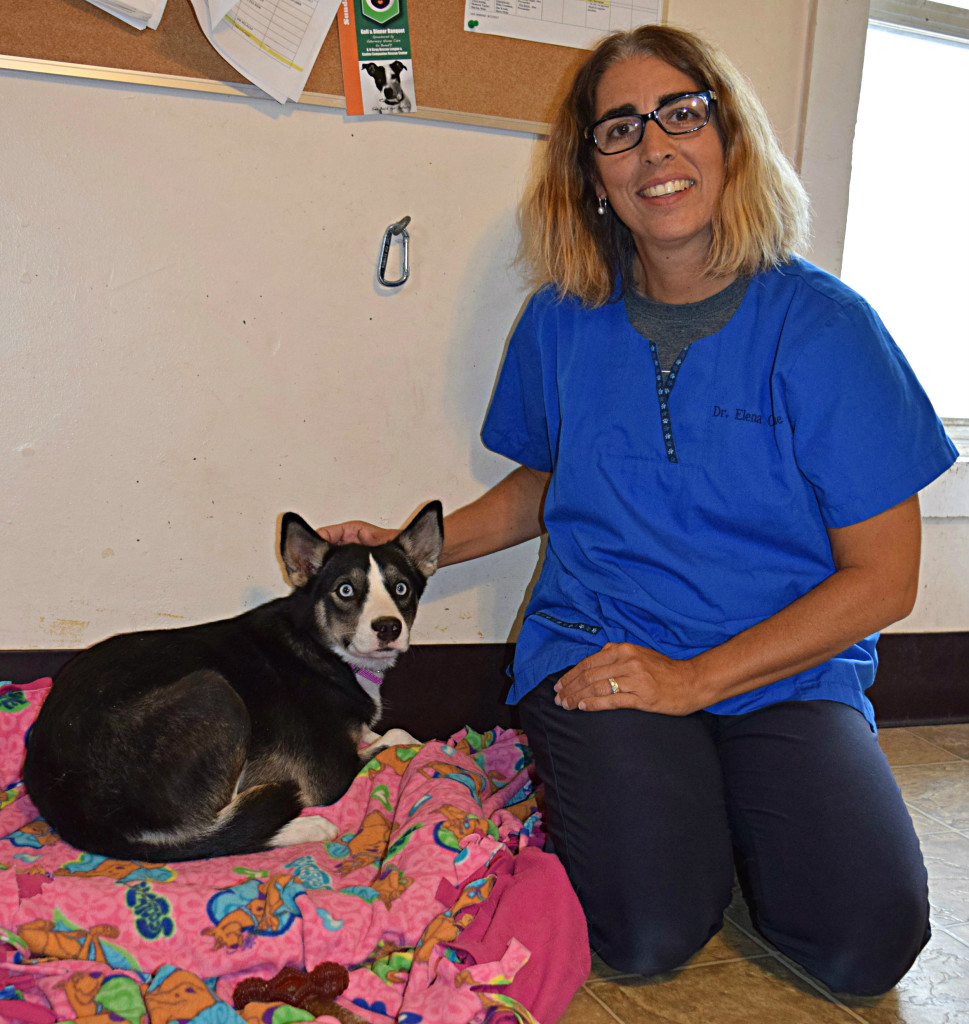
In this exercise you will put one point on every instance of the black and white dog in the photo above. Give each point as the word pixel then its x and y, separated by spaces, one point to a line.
pixel 210 740
pixel 386 79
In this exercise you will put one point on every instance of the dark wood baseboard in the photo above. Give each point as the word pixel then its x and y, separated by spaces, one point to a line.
pixel 436 689
pixel 923 679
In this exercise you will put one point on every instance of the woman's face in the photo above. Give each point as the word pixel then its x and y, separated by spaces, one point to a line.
pixel 667 189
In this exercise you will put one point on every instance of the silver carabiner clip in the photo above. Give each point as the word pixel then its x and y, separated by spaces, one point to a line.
pixel 393 231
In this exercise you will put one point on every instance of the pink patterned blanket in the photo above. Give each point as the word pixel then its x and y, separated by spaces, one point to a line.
pixel 435 896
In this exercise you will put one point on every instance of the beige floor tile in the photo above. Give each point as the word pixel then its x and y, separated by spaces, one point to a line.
pixel 585 1010
pixel 741 992
pixel 961 932
pixel 935 991
pixel 938 790
pixel 926 826
pixel 953 738
pixel 946 858
pixel 903 746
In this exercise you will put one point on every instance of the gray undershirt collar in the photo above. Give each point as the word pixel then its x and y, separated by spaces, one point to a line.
pixel 672 328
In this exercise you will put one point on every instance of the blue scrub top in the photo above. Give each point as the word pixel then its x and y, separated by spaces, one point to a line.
pixel 680 514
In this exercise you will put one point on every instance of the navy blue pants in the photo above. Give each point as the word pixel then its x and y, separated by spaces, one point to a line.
pixel 651 816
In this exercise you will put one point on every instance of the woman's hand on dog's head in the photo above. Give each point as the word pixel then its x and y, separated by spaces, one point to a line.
pixel 357 532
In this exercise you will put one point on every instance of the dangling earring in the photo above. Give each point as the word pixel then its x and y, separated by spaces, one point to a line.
pixel 603 203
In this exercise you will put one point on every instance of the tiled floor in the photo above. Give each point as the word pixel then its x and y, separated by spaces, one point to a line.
pixel 738 979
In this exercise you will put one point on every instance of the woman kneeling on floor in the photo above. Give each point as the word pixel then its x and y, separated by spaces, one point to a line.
pixel 724 447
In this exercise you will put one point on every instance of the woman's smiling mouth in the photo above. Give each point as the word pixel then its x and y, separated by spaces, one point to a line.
pixel 667 188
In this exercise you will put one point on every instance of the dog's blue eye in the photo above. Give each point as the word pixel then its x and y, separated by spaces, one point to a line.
pixel 345 590
pixel 400 589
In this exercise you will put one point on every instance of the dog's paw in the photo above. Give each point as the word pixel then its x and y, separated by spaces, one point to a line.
pixel 391 738
pixel 398 738
pixel 311 829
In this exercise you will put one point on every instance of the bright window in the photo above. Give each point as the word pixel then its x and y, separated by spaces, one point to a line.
pixel 907 237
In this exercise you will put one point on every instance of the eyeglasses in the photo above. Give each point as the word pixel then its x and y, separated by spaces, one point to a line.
pixel 688 112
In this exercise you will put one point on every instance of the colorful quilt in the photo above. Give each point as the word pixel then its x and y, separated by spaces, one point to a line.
pixel 435 896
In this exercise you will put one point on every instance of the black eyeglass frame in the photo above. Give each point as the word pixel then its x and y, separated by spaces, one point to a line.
pixel 708 95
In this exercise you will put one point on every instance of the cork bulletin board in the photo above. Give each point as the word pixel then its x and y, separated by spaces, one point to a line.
pixel 459 76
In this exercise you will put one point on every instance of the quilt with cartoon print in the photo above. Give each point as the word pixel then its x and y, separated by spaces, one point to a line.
pixel 435 897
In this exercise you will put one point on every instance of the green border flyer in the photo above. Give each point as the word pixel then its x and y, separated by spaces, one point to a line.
pixel 376 56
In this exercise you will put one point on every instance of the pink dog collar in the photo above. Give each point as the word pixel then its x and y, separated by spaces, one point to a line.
pixel 368 675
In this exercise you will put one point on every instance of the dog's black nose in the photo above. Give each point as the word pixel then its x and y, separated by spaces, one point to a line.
pixel 387 629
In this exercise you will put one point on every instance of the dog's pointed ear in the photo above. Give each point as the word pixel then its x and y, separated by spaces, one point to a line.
pixel 423 537
pixel 302 549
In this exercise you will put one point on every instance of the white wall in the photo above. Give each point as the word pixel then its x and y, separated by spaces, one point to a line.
pixel 193 340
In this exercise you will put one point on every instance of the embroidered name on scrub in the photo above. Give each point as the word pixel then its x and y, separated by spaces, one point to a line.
pixel 747 417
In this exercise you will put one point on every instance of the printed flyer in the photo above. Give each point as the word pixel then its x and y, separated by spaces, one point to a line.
pixel 580 23
pixel 375 53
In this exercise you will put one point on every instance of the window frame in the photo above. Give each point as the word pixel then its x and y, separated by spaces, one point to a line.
pixel 922 17
pixel 830 111
pixel 945 23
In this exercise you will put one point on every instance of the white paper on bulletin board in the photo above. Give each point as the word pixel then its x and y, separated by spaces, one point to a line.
pixel 579 23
